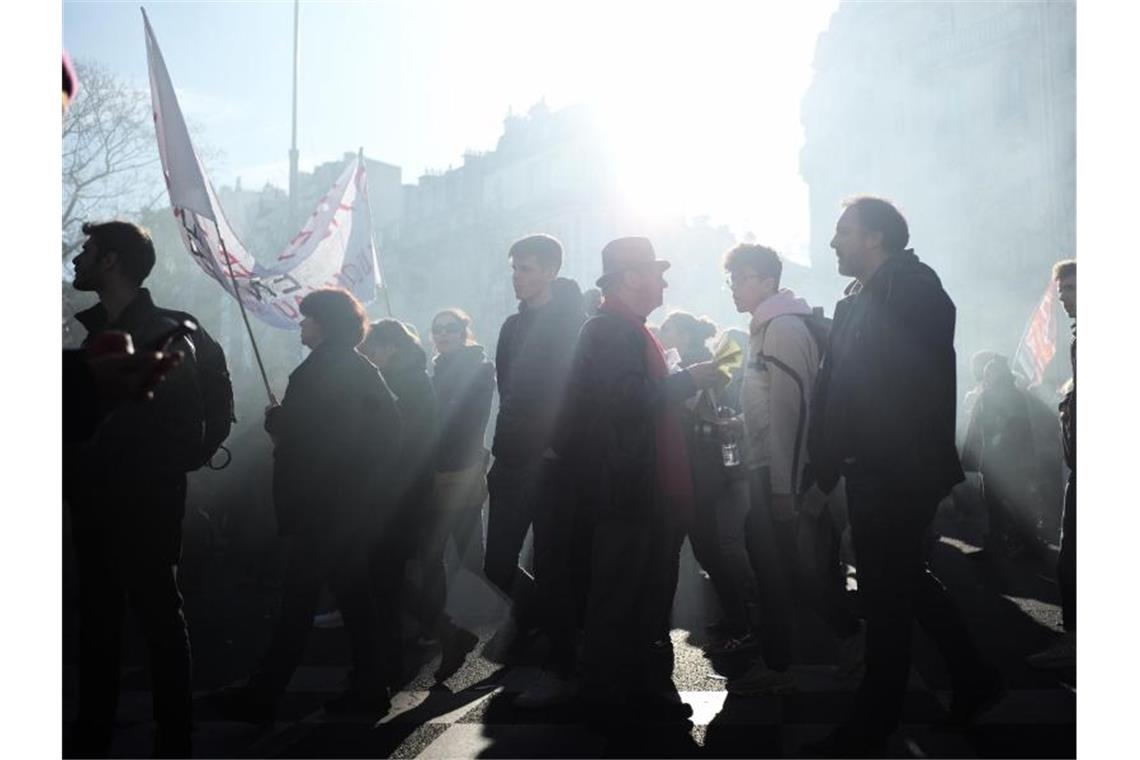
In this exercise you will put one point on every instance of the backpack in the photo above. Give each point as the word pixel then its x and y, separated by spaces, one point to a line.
pixel 217 393
pixel 820 328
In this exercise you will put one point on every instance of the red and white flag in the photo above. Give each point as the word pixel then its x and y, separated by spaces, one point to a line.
pixel 333 249
pixel 1039 342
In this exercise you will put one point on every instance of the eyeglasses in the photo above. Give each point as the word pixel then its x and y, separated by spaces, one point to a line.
pixel 451 328
pixel 733 282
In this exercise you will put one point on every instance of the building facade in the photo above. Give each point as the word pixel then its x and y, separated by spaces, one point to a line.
pixel 965 115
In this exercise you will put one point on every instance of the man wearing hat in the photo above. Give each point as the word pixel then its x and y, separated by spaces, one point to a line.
pixel 621 432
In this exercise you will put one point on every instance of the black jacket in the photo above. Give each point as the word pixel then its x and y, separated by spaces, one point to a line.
pixel 407 377
pixel 1069 412
pixel 336 440
pixel 886 392
pixel 464 382
pixel 144 442
pixel 131 466
pixel 607 428
pixel 532 364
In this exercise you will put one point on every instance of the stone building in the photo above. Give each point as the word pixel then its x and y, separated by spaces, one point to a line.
pixel 964 114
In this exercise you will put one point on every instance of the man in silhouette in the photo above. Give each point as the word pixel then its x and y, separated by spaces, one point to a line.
pixel 884 417
pixel 621 434
pixel 126 487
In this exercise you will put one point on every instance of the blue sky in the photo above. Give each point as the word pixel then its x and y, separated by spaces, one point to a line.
pixel 418 83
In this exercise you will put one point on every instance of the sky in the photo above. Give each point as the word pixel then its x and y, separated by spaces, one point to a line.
pixel 701 100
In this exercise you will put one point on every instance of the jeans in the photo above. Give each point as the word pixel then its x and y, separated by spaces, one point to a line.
pixel 455 512
pixel 1067 561
pixel 771 547
pixel 561 556
pixel 741 600
pixel 897 588
pixel 126 553
pixel 821 575
pixel 336 556
pixel 513 494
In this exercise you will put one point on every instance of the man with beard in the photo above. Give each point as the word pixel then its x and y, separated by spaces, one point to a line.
pixel 884 416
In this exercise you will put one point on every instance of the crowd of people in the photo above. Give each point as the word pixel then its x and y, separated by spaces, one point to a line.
pixel 613 442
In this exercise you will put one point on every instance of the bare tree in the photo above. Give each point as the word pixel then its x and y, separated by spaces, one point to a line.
pixel 110 159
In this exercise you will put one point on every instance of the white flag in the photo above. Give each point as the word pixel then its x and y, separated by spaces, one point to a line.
pixel 334 249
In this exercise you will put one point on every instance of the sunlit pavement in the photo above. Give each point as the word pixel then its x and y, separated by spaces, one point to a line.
pixel 1011 608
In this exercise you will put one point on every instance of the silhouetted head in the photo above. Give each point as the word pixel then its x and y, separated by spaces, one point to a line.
pixel 535 261
pixel 978 363
pixel 688 334
pixel 593 298
pixel 753 275
pixel 114 253
pixel 997 373
pixel 389 338
pixel 1065 275
pixel 869 231
pixel 633 275
pixel 451 331
pixel 334 317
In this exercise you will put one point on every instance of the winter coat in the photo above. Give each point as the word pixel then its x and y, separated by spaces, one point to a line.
pixel 407 378
pixel 153 441
pixel 886 392
pixel 779 374
pixel 464 383
pixel 608 426
pixel 131 465
pixel 1069 411
pixel 999 440
pixel 336 441
pixel 532 364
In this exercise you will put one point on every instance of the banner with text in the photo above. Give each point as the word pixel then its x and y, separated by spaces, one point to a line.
pixel 333 249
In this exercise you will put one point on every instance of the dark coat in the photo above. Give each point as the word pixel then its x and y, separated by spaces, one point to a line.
pixel 407 377
pixel 999 441
pixel 155 440
pixel 886 391
pixel 131 467
pixel 1069 412
pixel 464 383
pixel 607 428
pixel 532 364
pixel 336 441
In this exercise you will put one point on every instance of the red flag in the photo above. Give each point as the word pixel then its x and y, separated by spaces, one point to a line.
pixel 1039 342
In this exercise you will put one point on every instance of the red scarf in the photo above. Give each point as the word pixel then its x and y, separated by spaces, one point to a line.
pixel 674 476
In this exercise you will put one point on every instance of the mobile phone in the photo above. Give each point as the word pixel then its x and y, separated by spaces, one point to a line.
pixel 179 329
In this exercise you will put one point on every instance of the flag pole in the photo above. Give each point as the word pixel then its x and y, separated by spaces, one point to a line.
pixel 244 315
pixel 375 252
pixel 293 155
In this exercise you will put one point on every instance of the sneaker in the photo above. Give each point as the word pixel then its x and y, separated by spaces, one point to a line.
pixel 853 653
pixel 460 642
pixel 1063 654
pixel 733 644
pixel 244 703
pixel 332 619
pixel 548 691
pixel 353 702
pixel 760 679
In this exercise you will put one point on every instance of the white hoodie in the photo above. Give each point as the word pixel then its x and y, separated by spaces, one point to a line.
pixel 780 351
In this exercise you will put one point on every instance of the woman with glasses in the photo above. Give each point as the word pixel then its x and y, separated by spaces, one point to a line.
pixel 464 382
